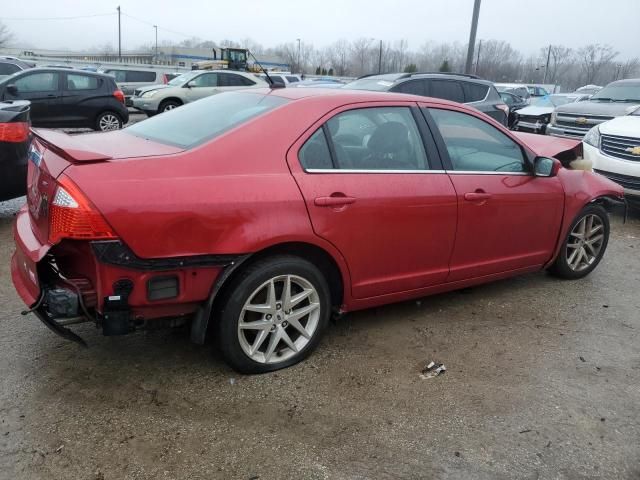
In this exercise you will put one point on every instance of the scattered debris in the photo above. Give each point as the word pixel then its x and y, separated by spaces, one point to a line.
pixel 59 449
pixel 526 431
pixel 549 444
pixel 605 306
pixel 582 359
pixel 457 454
pixel 432 370
pixel 602 419
pixel 232 381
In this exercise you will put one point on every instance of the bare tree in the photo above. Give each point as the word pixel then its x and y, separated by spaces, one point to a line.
pixel 594 58
pixel 361 55
pixel 5 35
pixel 560 59
pixel 629 69
pixel 338 54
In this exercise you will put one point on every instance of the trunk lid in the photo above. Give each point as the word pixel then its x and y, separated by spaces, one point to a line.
pixel 52 152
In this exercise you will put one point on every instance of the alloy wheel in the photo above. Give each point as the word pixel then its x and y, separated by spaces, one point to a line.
pixel 170 106
pixel 585 242
pixel 109 122
pixel 279 319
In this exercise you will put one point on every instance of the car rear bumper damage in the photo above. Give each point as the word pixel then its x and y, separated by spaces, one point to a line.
pixel 105 283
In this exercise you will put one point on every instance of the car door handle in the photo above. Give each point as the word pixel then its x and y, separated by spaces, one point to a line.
pixel 334 201
pixel 477 196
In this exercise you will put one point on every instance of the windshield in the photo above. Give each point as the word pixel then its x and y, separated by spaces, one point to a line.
pixel 8 78
pixel 380 83
pixel 621 92
pixel 201 121
pixel 182 79
pixel 552 100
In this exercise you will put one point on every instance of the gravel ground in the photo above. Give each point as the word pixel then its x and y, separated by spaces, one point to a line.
pixel 542 383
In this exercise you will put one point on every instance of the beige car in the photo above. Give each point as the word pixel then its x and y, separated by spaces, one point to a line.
pixel 192 86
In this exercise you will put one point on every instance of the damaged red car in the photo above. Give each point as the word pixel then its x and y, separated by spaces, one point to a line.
pixel 255 216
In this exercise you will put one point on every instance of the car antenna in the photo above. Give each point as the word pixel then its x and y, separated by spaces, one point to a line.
pixel 272 84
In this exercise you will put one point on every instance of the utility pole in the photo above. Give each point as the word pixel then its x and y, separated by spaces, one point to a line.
pixel 478 57
pixel 472 36
pixel 299 69
pixel 156 27
pixel 380 59
pixel 119 37
pixel 546 69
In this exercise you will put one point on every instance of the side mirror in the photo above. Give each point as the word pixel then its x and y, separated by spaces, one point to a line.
pixel 12 89
pixel 546 167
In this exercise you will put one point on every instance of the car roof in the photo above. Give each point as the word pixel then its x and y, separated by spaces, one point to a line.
pixel 67 70
pixel 628 81
pixel 397 77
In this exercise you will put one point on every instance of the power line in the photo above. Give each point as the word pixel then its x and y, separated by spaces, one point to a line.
pixel 57 18
pixel 155 25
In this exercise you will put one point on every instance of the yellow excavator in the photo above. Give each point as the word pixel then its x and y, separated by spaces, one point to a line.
pixel 230 58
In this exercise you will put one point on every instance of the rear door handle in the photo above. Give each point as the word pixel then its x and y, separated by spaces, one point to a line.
pixel 477 196
pixel 334 201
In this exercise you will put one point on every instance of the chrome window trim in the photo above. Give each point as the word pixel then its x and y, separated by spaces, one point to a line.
pixel 452 172
pixel 351 170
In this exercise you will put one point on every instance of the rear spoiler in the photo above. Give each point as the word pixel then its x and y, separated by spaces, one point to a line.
pixel 68 147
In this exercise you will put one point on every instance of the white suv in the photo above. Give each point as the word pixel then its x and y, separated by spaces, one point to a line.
pixel 192 86
pixel 613 148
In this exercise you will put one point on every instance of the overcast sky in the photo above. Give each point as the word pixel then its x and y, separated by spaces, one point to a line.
pixel 527 24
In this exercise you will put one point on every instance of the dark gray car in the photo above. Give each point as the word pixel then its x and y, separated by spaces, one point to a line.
pixel 574 120
pixel 478 93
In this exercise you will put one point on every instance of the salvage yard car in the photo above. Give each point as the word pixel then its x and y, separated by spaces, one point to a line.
pixel 535 117
pixel 457 87
pixel 613 148
pixel 62 98
pixel 14 147
pixel 255 228
pixel 615 100
pixel 190 87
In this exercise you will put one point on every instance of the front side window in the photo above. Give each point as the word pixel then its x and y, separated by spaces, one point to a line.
pixel 475 146
pixel 119 75
pixel 38 82
pixel 81 82
pixel 384 138
pixel 8 68
pixel 205 80
pixel 292 79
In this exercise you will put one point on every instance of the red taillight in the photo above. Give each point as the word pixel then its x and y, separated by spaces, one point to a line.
pixel 165 80
pixel 72 215
pixel 503 107
pixel 17 132
pixel 119 94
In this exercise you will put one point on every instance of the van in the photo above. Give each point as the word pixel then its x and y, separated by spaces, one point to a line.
pixel 130 79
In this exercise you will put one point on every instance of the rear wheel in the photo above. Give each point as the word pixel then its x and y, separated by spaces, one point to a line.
pixel 274 315
pixel 585 244
pixel 168 105
pixel 108 121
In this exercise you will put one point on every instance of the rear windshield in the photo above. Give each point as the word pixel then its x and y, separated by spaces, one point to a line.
pixel 380 83
pixel 201 121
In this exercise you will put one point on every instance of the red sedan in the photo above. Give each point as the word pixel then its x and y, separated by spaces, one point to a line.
pixel 255 215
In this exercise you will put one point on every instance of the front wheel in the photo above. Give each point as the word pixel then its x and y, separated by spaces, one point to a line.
pixel 168 105
pixel 585 244
pixel 108 121
pixel 274 315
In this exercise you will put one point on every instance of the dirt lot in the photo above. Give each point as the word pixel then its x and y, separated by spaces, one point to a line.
pixel 543 382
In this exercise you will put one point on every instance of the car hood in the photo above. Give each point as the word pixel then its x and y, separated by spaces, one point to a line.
pixel 533 111
pixel 547 146
pixel 628 126
pixel 612 109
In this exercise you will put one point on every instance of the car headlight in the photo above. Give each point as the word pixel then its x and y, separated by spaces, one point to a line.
pixel 546 119
pixel 593 137
pixel 148 94
pixel 554 117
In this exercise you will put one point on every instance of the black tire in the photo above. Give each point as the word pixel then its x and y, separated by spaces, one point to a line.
pixel 560 267
pixel 167 105
pixel 108 118
pixel 239 292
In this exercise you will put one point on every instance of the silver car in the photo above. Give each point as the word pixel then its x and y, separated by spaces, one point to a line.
pixel 192 86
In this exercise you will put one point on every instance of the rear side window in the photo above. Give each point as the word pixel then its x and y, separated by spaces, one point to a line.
pixel 476 146
pixel 201 121
pixel 119 75
pixel 447 89
pixel 413 87
pixel 140 76
pixel 233 80
pixel 205 80
pixel 8 68
pixel 377 139
pixel 81 82
pixel 315 152
pixel 474 92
